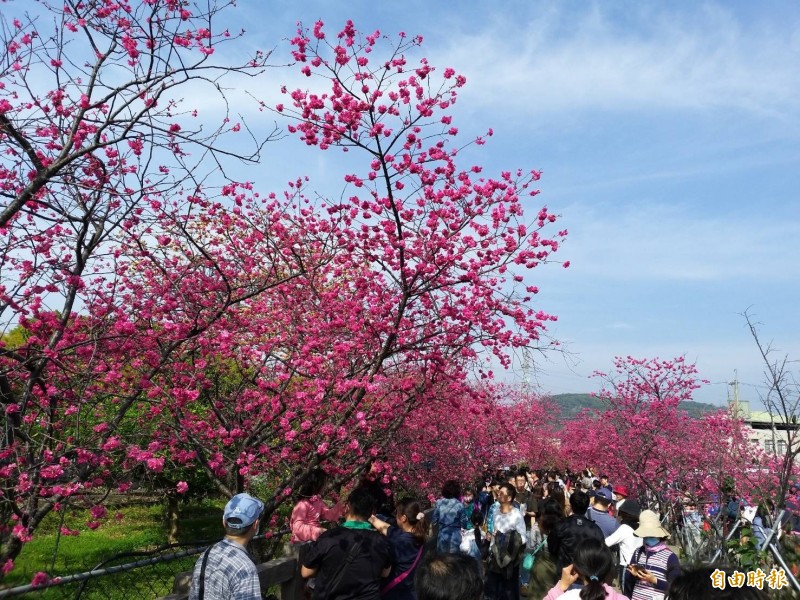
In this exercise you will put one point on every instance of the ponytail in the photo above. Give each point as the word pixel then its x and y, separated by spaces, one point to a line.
pixel 593 561
pixel 593 590
pixel 416 518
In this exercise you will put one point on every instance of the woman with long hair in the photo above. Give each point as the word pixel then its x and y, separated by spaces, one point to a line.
pixel 407 540
pixel 586 578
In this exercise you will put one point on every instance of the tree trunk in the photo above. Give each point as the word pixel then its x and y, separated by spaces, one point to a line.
pixel 172 519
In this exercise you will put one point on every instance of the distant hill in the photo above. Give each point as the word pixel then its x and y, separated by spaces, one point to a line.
pixel 571 404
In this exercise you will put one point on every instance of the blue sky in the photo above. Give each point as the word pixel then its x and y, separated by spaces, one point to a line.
pixel 668 134
pixel 669 139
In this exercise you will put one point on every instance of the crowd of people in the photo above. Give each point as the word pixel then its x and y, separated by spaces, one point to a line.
pixel 516 534
pixel 544 534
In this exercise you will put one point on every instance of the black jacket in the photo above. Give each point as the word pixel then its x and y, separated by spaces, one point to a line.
pixel 563 540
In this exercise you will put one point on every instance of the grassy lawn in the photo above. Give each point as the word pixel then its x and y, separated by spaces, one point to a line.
pixel 139 528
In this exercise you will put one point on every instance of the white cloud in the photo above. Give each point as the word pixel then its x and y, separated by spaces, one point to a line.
pixel 657 59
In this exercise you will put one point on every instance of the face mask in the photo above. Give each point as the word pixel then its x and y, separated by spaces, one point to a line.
pixel 651 541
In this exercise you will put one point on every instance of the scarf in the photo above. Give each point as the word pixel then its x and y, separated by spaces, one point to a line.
pixel 651 549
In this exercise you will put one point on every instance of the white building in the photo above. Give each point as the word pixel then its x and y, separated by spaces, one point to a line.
pixel 772 432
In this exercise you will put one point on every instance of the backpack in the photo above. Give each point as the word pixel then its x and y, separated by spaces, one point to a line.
pixel 506 553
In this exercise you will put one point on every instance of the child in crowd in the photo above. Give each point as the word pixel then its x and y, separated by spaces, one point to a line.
pixel 311 510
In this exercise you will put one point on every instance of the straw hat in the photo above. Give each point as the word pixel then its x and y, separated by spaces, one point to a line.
pixel 650 526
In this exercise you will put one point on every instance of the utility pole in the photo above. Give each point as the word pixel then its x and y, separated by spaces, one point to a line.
pixel 733 403
pixel 527 367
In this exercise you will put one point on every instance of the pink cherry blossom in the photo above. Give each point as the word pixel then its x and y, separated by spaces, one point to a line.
pixel 7 567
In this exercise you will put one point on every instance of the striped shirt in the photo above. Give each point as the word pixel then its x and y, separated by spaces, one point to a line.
pixel 661 562
pixel 230 574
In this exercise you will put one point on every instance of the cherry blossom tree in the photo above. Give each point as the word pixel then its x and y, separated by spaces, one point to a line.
pixel 534 432
pixel 648 442
pixel 93 140
pixel 169 324
pixel 461 435
pixel 430 261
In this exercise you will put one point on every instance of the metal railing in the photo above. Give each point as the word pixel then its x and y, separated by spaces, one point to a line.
pixel 152 574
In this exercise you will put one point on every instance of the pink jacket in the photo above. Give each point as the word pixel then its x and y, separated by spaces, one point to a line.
pixel 306 517
pixel 557 592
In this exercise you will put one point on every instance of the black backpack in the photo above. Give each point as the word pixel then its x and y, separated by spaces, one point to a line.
pixel 506 553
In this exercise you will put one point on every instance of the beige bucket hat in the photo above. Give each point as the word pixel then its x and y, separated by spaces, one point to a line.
pixel 650 526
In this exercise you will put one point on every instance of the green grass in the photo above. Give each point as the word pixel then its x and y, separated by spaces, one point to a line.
pixel 140 528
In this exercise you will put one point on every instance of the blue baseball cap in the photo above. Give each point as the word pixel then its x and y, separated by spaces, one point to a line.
pixel 242 510
pixel 603 493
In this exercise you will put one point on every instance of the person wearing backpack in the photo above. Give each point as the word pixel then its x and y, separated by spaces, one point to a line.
pixel 563 540
pixel 506 549
pixel 350 561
